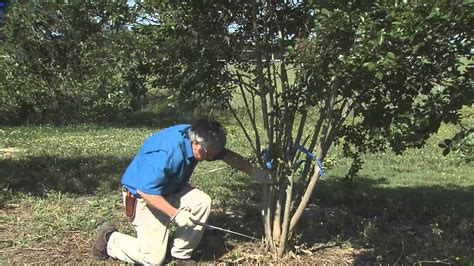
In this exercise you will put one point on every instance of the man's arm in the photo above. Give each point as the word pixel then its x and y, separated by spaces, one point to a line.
pixel 238 162
pixel 159 202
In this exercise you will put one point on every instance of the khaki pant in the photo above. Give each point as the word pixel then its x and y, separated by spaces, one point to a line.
pixel 152 227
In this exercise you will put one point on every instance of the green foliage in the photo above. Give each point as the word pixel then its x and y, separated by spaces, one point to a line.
pixel 62 62
pixel 184 51
pixel 402 67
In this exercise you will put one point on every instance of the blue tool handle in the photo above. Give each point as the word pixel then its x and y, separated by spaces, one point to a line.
pixel 268 160
pixel 321 172
pixel 309 154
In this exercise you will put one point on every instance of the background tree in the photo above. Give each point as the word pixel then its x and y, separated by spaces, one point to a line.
pixel 63 62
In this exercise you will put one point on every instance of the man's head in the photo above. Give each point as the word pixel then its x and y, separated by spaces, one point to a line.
pixel 208 138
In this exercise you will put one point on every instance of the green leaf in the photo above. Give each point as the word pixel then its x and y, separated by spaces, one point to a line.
pixel 381 39
pixel 390 55
pixel 446 151
pixel 379 75
pixel 325 12
pixel 370 66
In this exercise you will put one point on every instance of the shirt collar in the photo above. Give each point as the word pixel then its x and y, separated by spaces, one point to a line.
pixel 188 147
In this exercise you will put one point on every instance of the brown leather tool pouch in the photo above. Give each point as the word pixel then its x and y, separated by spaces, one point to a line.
pixel 130 205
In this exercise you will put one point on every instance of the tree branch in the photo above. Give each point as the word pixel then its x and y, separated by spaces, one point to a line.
pixel 243 128
pixel 340 118
pixel 304 201
pixel 252 115
pixel 301 128
pixel 286 215
pixel 321 154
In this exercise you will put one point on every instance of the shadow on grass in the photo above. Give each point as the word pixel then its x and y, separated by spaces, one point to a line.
pixel 367 220
pixel 160 119
pixel 392 224
pixel 235 207
pixel 160 115
pixel 156 114
pixel 216 243
pixel 81 175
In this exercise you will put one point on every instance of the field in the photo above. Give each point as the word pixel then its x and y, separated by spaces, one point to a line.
pixel 59 183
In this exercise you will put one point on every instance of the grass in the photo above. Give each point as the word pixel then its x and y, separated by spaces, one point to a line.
pixel 59 183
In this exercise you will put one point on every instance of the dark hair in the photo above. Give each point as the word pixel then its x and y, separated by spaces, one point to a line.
pixel 209 133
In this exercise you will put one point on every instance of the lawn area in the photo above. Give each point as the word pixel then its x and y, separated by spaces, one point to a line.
pixel 59 183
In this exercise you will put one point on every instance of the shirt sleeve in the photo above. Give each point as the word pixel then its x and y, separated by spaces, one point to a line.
pixel 220 155
pixel 153 171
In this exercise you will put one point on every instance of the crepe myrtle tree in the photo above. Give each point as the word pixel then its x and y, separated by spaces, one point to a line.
pixel 372 76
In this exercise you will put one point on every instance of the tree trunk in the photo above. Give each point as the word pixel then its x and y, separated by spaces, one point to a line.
pixel 267 190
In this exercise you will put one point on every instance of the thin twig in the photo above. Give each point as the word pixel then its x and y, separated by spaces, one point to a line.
pixel 211 171
pixel 242 127
pixel 403 250
pixel 251 112
pixel 445 261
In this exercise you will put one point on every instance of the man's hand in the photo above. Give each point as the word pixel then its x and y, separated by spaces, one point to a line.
pixel 158 202
pixel 263 176
pixel 183 218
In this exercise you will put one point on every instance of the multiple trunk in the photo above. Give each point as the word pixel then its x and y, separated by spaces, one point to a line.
pixel 282 206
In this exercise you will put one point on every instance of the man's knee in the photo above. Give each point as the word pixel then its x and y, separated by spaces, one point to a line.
pixel 200 201
pixel 198 196
pixel 196 201
pixel 152 258
pixel 205 201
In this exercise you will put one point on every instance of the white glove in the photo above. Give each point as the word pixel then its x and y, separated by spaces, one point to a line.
pixel 263 176
pixel 183 218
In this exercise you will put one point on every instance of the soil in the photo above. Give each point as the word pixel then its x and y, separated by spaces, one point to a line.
pixel 241 253
pixel 215 248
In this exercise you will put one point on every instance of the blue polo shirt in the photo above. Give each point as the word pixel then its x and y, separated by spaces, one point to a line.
pixel 163 164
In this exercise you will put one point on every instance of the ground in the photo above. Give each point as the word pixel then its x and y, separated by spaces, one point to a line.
pixel 314 246
pixel 215 248
pixel 59 183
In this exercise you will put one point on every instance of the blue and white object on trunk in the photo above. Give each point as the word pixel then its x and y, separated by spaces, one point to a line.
pixel 268 160
pixel 309 154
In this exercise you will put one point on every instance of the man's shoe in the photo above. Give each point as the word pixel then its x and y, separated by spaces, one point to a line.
pixel 184 262
pixel 99 250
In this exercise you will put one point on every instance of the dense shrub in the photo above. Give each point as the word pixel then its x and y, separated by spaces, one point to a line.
pixel 67 62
